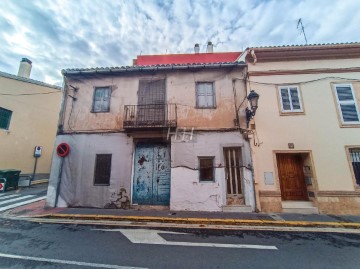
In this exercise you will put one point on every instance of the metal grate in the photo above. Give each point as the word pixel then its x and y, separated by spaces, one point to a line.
pixel 233 162
pixel 145 116
pixel 355 159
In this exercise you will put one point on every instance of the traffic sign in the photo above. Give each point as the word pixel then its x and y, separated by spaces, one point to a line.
pixel 63 150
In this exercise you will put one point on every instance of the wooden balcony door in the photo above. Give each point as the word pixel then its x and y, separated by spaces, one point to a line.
pixel 151 102
pixel 291 176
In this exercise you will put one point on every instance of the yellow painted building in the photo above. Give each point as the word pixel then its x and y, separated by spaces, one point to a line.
pixel 29 112
pixel 306 131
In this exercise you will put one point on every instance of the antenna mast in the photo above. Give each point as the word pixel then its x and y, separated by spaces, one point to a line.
pixel 302 29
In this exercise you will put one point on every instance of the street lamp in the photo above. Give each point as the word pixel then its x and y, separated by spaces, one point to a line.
pixel 253 99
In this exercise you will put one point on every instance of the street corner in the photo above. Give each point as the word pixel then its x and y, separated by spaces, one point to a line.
pixel 35 209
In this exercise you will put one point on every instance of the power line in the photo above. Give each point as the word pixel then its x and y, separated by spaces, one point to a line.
pixel 21 94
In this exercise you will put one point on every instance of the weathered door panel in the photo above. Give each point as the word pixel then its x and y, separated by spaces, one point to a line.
pixel 233 174
pixel 161 175
pixel 152 174
pixel 291 176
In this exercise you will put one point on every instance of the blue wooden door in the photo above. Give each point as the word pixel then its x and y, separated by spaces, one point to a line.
pixel 151 184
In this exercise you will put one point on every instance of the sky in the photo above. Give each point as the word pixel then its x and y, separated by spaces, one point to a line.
pixel 60 34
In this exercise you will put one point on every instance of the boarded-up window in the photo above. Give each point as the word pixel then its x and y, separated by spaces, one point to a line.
pixel 347 104
pixel 206 167
pixel 5 116
pixel 101 102
pixel 205 95
pixel 102 169
pixel 290 99
pixel 355 160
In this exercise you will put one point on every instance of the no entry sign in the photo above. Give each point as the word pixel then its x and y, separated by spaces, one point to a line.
pixel 63 149
pixel 2 185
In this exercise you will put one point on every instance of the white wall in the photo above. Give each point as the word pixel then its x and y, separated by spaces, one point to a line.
pixel 77 182
pixel 187 193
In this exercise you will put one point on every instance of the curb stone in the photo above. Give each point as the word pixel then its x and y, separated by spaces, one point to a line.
pixel 205 221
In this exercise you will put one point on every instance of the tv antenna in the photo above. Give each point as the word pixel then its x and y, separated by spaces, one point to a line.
pixel 302 29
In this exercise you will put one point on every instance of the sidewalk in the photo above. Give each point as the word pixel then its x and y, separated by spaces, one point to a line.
pixel 37 210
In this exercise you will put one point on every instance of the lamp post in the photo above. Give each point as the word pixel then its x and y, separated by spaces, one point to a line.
pixel 253 99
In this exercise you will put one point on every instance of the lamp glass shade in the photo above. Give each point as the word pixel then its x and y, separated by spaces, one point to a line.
pixel 253 98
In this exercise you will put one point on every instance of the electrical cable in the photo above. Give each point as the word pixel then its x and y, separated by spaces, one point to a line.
pixel 21 94
pixel 303 82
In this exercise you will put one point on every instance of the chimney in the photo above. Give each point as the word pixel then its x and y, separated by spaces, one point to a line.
pixel 197 48
pixel 210 47
pixel 24 68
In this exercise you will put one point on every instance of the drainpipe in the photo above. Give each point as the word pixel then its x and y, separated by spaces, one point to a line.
pixel 62 108
pixel 253 180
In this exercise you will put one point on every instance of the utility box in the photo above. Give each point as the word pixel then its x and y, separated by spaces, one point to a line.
pixel 37 151
pixel 11 177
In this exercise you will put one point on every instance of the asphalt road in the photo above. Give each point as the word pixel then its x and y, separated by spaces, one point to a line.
pixel 35 245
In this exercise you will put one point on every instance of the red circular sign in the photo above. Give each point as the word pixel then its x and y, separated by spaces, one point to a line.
pixel 1 186
pixel 63 149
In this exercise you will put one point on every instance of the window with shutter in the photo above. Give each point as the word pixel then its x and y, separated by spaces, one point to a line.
pixel 5 116
pixel 101 102
pixel 347 104
pixel 206 169
pixel 355 161
pixel 205 95
pixel 290 99
pixel 102 169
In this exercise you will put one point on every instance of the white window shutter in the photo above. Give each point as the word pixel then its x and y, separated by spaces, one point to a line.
pixel 285 100
pixel 295 100
pixel 347 104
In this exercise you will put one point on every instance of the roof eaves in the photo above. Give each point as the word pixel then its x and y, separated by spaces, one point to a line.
pixel 29 80
pixel 145 68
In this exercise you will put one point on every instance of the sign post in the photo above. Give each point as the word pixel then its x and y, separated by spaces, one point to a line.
pixel 37 154
pixel 62 150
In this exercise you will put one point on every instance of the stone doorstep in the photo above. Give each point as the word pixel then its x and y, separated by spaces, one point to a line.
pixel 299 207
pixel 237 208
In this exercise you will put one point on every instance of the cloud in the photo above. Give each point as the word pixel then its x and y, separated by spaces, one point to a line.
pixel 58 34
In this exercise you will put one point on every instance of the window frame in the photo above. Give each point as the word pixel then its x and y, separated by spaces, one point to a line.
pixel 348 154
pixel 93 99
pixel 96 161
pixel 292 110
pixel 197 94
pixel 212 158
pixel 8 120
pixel 338 103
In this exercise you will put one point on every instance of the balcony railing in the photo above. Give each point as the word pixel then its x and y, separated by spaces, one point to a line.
pixel 150 116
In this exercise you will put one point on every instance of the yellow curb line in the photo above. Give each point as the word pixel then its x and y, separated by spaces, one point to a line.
pixel 202 220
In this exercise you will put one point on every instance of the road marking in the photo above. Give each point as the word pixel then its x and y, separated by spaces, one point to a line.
pixel 8 196
pixel 143 236
pixel 16 199
pixel 22 203
pixel 96 265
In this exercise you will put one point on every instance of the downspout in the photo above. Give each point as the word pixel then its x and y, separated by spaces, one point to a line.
pixel 62 108
pixel 253 180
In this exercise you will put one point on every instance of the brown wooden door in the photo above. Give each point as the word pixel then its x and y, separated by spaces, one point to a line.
pixel 291 175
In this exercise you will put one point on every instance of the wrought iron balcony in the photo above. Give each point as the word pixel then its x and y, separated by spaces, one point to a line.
pixel 150 116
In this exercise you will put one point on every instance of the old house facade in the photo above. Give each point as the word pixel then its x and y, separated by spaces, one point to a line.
pixel 307 155
pixel 163 132
pixel 29 113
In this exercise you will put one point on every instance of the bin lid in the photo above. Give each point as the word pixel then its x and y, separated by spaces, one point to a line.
pixel 5 171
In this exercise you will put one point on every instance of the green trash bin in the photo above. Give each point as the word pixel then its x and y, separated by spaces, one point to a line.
pixel 11 177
